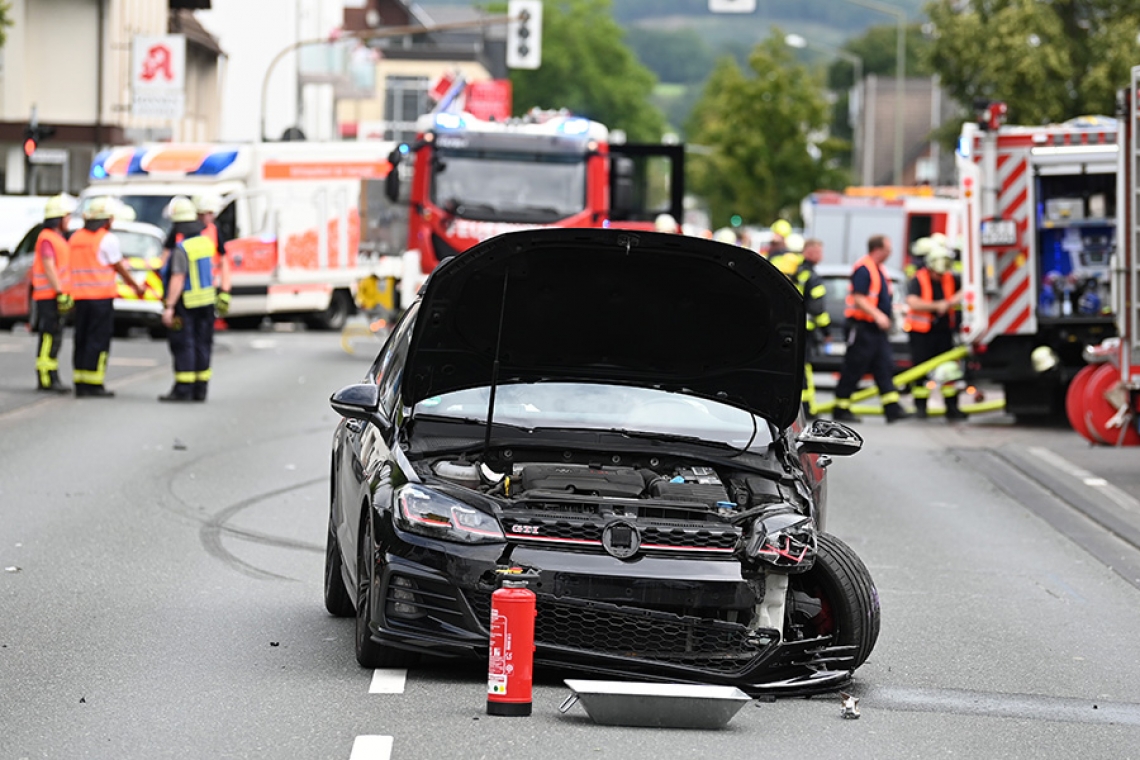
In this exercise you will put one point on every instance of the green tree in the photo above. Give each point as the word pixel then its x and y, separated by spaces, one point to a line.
pixel 1047 61
pixel 765 132
pixel 5 20
pixel 587 68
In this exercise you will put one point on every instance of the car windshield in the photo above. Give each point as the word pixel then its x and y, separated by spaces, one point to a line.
pixel 502 186
pixel 139 244
pixel 587 406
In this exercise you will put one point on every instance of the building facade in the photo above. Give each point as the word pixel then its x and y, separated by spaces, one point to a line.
pixel 68 62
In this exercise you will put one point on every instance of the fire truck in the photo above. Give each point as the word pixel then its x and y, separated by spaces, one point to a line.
pixel 1040 221
pixel 844 221
pixel 1103 400
pixel 291 214
pixel 472 179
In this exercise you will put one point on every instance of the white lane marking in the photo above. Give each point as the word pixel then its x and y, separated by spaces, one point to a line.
pixel 262 343
pixel 368 747
pixel 1102 486
pixel 11 348
pixel 388 681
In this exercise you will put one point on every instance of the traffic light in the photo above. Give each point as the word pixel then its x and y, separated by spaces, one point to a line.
pixel 735 220
pixel 524 34
pixel 34 134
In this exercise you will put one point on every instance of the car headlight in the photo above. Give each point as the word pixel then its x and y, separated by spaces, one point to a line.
pixel 430 513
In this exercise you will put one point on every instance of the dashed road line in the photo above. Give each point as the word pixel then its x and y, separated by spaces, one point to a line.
pixel 388 681
pixel 371 747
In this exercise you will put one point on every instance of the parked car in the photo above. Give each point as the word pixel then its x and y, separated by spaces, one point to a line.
pixel 142 247
pixel 616 417
pixel 827 356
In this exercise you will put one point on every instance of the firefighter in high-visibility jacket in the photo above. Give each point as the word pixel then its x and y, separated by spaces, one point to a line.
pixel 51 291
pixel 798 263
pixel 208 207
pixel 933 299
pixel 188 304
pixel 95 258
pixel 868 312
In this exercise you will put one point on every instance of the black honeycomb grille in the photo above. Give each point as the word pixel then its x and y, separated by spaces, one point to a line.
pixel 698 539
pixel 651 635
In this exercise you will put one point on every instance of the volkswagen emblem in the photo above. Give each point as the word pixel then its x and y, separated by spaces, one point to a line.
pixel 621 540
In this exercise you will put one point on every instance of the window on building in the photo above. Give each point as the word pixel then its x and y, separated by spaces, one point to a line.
pixel 405 100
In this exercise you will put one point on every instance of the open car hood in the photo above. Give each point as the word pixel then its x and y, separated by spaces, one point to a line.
pixel 612 306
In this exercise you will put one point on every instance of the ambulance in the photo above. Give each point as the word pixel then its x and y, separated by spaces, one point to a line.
pixel 291 212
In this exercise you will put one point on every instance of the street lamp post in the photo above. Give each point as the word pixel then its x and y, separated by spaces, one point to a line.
pixel 371 34
pixel 799 41
pixel 900 75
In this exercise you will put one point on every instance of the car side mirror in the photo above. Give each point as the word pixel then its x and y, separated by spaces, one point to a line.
pixel 359 402
pixel 827 437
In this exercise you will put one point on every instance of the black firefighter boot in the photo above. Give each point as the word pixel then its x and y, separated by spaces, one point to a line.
pixel 953 411
pixel 920 408
pixel 200 391
pixel 180 392
pixel 895 413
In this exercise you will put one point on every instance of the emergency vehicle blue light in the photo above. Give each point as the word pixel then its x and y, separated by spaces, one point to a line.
pixel 98 170
pixel 135 167
pixel 964 147
pixel 574 127
pixel 404 148
pixel 449 121
pixel 215 163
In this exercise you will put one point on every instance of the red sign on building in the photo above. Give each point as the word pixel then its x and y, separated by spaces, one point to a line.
pixel 489 100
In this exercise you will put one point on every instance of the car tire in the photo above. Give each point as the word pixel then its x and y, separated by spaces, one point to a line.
pixel 369 653
pixel 850 602
pixel 336 315
pixel 337 600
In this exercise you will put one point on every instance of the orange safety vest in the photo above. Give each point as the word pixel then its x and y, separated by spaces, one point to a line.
pixel 90 280
pixel 854 312
pixel 41 285
pixel 921 321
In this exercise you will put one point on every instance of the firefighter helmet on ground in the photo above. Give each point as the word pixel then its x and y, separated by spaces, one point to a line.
pixel 1043 359
pixel 947 372
pixel 182 209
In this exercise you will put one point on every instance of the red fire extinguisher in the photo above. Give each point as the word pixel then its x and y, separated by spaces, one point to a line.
pixel 511 663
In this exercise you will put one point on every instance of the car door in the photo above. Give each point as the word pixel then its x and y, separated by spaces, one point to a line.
pixel 16 278
pixel 364 455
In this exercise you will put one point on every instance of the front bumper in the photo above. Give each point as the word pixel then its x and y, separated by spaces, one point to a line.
pixel 596 614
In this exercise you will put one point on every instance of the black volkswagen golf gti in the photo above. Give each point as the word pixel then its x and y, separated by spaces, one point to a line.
pixel 614 416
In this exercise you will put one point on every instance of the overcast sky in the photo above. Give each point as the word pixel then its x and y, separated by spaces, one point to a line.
pixel 252 32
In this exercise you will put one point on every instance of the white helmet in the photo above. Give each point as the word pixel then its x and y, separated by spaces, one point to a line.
pixel 207 203
pixel 939 259
pixel 124 212
pixel 58 206
pixel 100 208
pixel 182 209
pixel 922 247
pixel 794 242
pixel 947 372
pixel 1043 359
pixel 663 223
pixel 725 235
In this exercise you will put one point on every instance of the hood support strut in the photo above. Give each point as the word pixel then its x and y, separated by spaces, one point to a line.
pixel 495 366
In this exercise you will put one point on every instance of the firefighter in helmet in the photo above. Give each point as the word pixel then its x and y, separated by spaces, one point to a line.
pixel 780 230
pixel 51 291
pixel 933 300
pixel 189 295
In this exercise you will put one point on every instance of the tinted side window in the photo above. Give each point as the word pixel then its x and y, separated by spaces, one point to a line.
pixel 29 241
pixel 389 367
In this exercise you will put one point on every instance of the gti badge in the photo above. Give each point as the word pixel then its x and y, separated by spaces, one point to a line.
pixel 621 540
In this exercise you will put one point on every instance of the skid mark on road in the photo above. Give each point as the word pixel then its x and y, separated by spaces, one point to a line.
pixel 388 681
pixel 215 527
pixel 371 748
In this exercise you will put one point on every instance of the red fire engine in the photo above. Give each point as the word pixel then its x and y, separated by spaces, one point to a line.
pixel 472 179
pixel 1040 228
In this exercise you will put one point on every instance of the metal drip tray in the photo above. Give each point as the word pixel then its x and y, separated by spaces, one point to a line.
pixel 656 705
